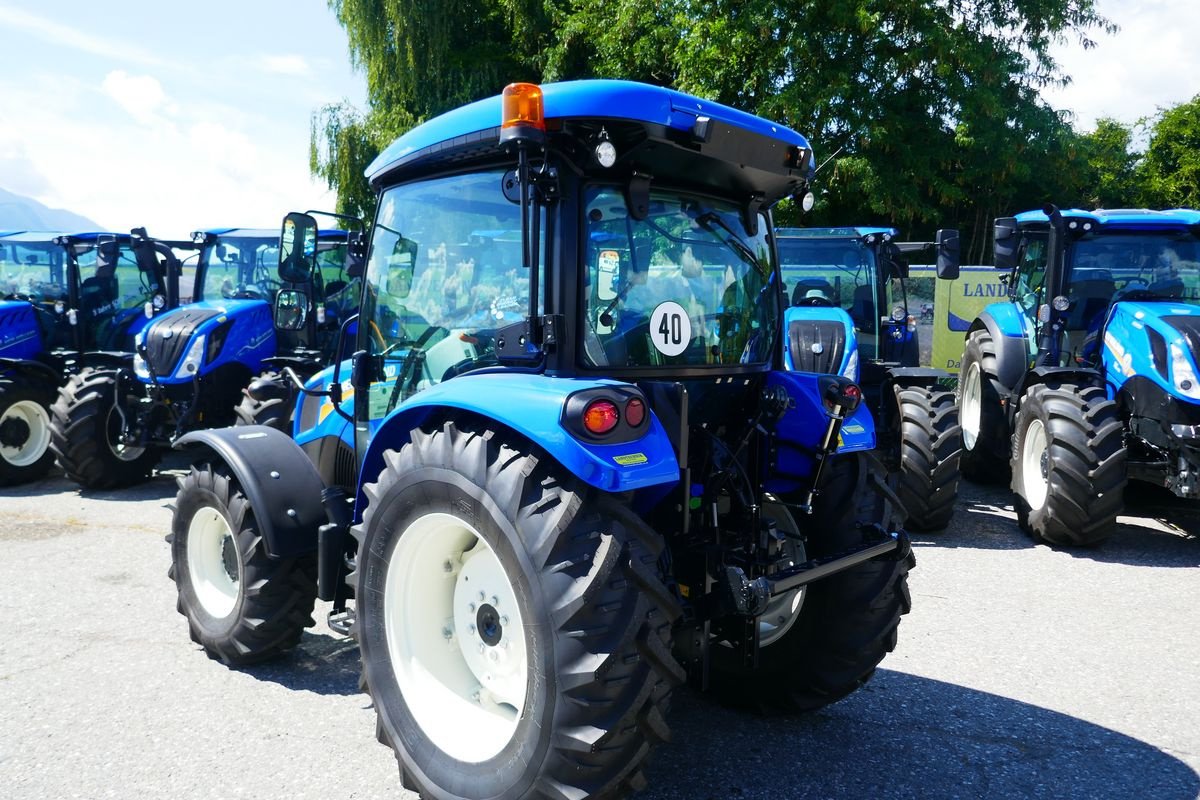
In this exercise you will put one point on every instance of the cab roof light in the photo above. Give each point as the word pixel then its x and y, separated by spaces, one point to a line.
pixel 522 113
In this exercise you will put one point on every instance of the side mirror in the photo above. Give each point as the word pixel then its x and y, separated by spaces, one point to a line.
pixel 297 248
pixel 948 256
pixel 291 310
pixel 1004 243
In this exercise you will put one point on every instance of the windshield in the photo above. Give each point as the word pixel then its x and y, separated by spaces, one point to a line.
pixel 241 266
pixel 835 272
pixel 686 286
pixel 444 274
pixel 33 270
pixel 1158 266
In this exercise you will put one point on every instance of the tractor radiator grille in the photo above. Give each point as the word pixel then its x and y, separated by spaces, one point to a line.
pixel 1190 328
pixel 162 351
pixel 816 345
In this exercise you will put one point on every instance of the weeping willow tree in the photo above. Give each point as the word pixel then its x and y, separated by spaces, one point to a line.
pixel 420 58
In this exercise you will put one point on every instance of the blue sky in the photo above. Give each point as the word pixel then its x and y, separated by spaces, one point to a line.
pixel 176 116
pixel 183 116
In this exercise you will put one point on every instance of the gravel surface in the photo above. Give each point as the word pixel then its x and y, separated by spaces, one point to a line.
pixel 1023 671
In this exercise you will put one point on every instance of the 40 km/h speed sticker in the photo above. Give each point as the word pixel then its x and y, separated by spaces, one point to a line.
pixel 670 328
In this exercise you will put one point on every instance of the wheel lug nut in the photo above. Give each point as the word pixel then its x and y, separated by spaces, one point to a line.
pixel 504 620
pixel 471 628
pixel 495 600
pixel 482 597
pixel 481 647
pixel 471 607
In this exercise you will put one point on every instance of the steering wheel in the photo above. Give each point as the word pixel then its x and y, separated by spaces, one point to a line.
pixel 814 302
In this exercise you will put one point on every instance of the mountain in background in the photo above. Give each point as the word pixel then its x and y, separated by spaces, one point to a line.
pixel 19 213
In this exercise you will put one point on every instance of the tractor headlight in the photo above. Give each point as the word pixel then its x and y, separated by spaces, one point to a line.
pixel 139 364
pixel 1183 374
pixel 851 370
pixel 193 360
pixel 898 314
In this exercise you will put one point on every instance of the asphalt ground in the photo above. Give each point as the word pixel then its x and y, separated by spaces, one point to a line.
pixel 1022 671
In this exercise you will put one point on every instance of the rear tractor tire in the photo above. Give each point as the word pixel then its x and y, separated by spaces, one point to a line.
pixel 928 444
pixel 242 606
pixel 85 428
pixel 1068 465
pixel 985 436
pixel 848 622
pixel 514 629
pixel 25 453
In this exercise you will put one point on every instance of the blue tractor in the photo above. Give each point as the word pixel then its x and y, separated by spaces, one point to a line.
pixel 191 364
pixel 857 276
pixel 72 303
pixel 1087 377
pixel 565 468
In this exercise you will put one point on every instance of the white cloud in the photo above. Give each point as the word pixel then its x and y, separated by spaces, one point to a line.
pixel 66 36
pixel 141 95
pixel 1150 63
pixel 285 65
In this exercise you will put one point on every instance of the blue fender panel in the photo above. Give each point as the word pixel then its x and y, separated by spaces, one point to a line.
pixel 531 405
pixel 1006 324
pixel 277 478
pixel 799 432
pixel 20 337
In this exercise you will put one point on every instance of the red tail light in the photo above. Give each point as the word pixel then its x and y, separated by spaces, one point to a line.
pixel 635 412
pixel 600 417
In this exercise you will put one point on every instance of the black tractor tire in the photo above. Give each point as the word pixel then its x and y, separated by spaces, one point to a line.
pixel 848 621
pixel 929 443
pixel 986 445
pixel 242 606
pixel 25 453
pixel 580 567
pixel 84 426
pixel 1071 494
pixel 275 412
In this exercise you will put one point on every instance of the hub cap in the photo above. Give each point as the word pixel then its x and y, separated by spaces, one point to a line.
pixel 455 637
pixel 213 563
pixel 972 402
pixel 24 433
pixel 1035 465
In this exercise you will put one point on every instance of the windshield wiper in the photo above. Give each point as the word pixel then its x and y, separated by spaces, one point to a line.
pixel 706 220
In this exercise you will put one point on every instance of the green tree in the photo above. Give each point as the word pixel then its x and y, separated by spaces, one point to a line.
pixel 1112 180
pixel 932 105
pixel 1170 170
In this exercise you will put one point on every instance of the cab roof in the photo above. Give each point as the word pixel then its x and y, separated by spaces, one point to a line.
pixel 832 233
pixel 478 124
pixel 1121 218
pixel 263 233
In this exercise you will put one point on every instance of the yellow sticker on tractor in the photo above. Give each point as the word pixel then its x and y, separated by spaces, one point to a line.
pixel 631 459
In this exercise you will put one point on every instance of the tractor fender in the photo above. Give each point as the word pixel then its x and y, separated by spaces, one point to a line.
pixel 1007 328
pixel 532 406
pixel 28 366
pixel 277 478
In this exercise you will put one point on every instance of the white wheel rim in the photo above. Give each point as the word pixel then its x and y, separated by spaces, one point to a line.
pixel 972 401
pixel 124 452
pixel 35 418
pixel 455 637
pixel 214 565
pixel 782 612
pixel 1034 482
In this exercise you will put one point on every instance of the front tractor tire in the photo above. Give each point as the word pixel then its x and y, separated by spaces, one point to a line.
pixel 514 629
pixel 985 436
pixel 25 453
pixel 1068 465
pixel 85 430
pixel 928 445
pixel 274 412
pixel 242 606
pixel 848 622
